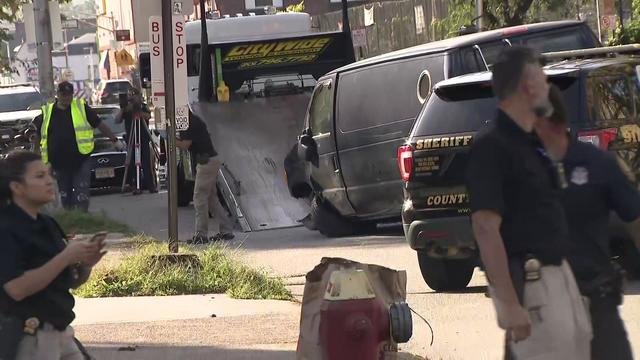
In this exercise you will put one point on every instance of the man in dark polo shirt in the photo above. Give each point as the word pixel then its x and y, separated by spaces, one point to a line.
pixel 594 186
pixel 205 194
pixel 519 224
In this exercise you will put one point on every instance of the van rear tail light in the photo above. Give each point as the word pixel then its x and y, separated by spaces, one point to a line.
pixel 405 161
pixel 600 138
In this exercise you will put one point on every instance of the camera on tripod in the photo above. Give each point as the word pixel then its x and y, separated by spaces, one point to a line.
pixel 127 99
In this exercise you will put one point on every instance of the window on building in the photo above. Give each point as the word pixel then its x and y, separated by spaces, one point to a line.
pixel 257 4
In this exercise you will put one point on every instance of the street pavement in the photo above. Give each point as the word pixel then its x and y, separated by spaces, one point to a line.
pixel 464 325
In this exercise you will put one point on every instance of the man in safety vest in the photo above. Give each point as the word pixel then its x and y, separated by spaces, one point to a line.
pixel 66 142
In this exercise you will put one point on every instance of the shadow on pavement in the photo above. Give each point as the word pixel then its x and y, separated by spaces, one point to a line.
pixel 162 352
pixel 159 352
pixel 468 290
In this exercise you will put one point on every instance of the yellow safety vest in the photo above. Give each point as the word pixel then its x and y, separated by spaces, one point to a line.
pixel 83 130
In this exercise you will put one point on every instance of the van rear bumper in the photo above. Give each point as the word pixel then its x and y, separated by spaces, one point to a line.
pixel 443 238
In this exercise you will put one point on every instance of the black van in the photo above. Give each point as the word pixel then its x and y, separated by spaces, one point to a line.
pixel 359 114
pixel 603 107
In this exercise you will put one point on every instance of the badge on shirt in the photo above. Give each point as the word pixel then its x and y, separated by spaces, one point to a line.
pixel 580 176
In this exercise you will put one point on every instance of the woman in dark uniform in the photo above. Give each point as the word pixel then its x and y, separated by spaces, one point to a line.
pixel 37 265
pixel 594 185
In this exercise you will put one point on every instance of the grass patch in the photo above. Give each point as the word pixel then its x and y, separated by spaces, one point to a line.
pixel 79 222
pixel 219 272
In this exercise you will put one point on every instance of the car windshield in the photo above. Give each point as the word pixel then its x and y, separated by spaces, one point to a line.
pixel 120 86
pixel 19 101
pixel 108 117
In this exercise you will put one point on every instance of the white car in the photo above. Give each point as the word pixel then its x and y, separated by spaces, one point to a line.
pixel 19 105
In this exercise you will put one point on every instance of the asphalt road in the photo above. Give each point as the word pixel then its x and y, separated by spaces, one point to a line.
pixel 464 323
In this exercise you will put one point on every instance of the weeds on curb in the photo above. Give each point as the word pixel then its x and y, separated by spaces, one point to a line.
pixel 218 271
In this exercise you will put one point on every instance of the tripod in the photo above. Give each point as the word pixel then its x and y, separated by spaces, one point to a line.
pixel 138 124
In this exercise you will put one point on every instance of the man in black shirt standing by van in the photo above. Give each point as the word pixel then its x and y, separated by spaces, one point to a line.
pixel 519 223
pixel 205 195
pixel 594 186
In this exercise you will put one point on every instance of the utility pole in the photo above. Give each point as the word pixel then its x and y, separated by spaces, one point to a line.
pixel 167 40
pixel 598 20
pixel 66 50
pixel 44 46
pixel 479 14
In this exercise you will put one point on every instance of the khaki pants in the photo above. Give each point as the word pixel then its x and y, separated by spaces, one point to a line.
pixel 560 322
pixel 205 199
pixel 49 344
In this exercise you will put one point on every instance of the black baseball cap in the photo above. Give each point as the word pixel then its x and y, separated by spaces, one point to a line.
pixel 65 88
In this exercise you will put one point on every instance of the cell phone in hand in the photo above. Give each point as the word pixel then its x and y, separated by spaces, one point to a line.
pixel 98 237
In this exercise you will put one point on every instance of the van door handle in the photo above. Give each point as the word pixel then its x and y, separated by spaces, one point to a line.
pixel 336 168
pixel 388 134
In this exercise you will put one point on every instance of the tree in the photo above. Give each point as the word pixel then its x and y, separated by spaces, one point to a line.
pixel 11 12
pixel 630 32
pixel 497 13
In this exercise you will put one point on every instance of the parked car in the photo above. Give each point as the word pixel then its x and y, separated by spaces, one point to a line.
pixel 361 113
pixel 108 166
pixel 603 109
pixel 107 163
pixel 19 105
pixel 108 91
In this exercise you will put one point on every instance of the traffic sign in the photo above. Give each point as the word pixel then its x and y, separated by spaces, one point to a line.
pixel 70 24
pixel 608 22
pixel 123 35
pixel 178 7
pixel 123 58
pixel 180 72
pixel 157 67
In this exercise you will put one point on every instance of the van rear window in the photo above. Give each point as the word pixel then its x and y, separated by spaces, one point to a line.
pixel 463 109
pixel 613 94
pixel 467 108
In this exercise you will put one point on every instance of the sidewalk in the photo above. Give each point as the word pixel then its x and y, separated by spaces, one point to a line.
pixel 187 327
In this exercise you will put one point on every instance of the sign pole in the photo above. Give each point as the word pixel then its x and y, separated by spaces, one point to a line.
pixel 167 39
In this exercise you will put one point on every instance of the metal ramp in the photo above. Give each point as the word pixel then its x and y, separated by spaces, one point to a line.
pixel 252 136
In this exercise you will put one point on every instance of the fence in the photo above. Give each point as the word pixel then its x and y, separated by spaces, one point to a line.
pixel 6 80
pixel 385 26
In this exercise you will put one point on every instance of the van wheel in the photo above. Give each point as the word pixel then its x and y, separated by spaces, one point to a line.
pixel 185 188
pixel 328 222
pixel 445 274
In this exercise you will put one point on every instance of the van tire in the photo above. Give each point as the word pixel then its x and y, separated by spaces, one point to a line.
pixel 328 222
pixel 185 188
pixel 445 274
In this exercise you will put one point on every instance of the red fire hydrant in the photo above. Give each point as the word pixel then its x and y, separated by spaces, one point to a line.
pixel 354 323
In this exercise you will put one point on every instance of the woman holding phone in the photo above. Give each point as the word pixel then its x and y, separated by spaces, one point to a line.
pixel 38 266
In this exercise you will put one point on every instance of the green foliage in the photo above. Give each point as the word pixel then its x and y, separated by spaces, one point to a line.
pixel 10 12
pixel 630 34
pixel 216 271
pixel 460 14
pixel 497 13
